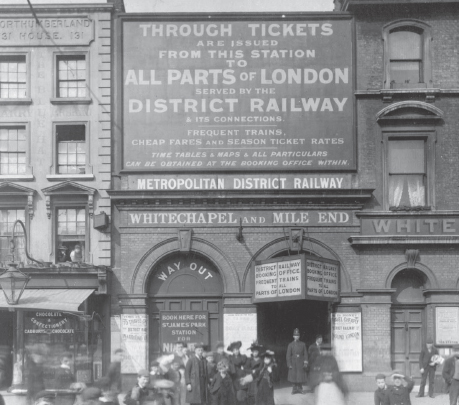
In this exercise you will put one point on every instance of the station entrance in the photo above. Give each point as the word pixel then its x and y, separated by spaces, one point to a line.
pixel 277 320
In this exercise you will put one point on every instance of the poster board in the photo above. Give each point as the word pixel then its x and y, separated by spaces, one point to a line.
pixel 347 340
pixel 446 326
pixel 240 327
pixel 134 342
pixel 294 278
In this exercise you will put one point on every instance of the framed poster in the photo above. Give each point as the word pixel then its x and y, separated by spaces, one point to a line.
pixel 446 326
pixel 347 340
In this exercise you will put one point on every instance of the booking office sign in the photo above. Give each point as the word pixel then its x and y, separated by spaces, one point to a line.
pixel 238 93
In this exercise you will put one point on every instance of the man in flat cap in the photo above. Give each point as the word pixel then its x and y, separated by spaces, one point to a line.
pixel 140 393
pixel 196 377
pixel 451 375
pixel 297 361
pixel 427 366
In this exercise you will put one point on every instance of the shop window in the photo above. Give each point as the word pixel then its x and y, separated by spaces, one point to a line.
pixel 407 50
pixel 71 149
pixel 7 219
pixel 13 77
pixel 71 235
pixel 71 76
pixel 13 150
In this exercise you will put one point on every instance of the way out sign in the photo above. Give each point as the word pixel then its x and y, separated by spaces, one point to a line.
pixel 294 278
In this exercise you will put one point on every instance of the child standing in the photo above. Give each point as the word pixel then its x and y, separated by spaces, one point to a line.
pixel 265 377
pixel 222 388
pixel 399 393
pixel 174 375
pixel 381 397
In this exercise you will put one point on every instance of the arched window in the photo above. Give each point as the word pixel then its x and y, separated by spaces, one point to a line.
pixel 407 55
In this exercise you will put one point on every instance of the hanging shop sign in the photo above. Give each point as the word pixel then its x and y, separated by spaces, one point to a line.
pixel 347 340
pixel 234 218
pixel 47 322
pixel 47 31
pixel 295 278
pixel 238 95
pixel 190 327
pixel 447 325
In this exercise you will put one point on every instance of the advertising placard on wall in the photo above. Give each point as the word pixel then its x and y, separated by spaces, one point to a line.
pixel 240 327
pixel 183 326
pixel 134 342
pixel 238 94
pixel 294 278
pixel 347 340
pixel 447 325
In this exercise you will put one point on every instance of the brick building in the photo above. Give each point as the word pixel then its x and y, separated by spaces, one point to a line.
pixel 55 168
pixel 360 176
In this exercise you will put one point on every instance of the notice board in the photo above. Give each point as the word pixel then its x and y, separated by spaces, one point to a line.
pixel 189 327
pixel 294 278
pixel 240 327
pixel 447 325
pixel 238 93
pixel 347 340
pixel 134 342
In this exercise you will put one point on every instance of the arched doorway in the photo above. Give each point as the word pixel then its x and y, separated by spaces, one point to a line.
pixel 185 283
pixel 408 320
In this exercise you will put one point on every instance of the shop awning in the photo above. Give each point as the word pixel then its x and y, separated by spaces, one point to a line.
pixel 60 299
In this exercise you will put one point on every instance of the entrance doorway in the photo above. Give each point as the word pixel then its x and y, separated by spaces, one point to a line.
pixel 6 348
pixel 407 321
pixel 277 320
pixel 185 283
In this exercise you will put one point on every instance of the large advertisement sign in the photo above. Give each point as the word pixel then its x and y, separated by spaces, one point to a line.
pixel 134 342
pixel 347 340
pixel 238 95
pixel 447 325
pixel 295 278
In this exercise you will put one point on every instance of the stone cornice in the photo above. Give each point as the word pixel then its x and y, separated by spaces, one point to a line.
pixel 392 214
pixel 360 240
pixel 56 8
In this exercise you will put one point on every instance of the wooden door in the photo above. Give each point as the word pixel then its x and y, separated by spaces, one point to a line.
pixel 211 305
pixel 407 332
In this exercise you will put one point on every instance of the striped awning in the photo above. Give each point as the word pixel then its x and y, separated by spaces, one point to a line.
pixel 59 299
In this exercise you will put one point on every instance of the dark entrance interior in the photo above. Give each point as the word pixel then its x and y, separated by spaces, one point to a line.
pixel 277 320
pixel 6 348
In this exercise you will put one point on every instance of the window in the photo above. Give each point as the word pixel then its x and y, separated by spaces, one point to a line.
pixel 71 76
pixel 13 149
pixel 407 55
pixel 13 77
pixel 7 219
pixel 71 149
pixel 407 172
pixel 71 234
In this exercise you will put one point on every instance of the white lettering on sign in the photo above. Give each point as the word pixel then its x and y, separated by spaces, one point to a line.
pixel 420 226
pixel 163 275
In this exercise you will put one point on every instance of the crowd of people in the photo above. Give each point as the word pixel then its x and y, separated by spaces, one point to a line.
pixel 229 377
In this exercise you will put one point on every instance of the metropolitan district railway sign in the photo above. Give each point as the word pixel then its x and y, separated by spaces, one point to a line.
pixel 238 94
pixel 295 278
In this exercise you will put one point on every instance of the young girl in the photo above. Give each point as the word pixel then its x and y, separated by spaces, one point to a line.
pixel 265 377
pixel 253 364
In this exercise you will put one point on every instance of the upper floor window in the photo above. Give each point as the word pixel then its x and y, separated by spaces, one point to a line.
pixel 71 149
pixel 407 55
pixel 13 150
pixel 7 219
pixel 71 76
pixel 13 77
pixel 71 234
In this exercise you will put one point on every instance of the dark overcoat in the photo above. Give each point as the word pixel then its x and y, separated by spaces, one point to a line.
pixel 313 353
pixel 197 377
pixel 297 354
pixel 400 395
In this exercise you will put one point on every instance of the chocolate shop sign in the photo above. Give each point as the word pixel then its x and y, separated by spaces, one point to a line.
pixel 232 218
pixel 233 94
pixel 45 322
pixel 294 278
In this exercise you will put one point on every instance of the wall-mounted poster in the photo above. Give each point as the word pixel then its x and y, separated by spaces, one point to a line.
pixel 447 325
pixel 347 340
pixel 134 342
pixel 240 327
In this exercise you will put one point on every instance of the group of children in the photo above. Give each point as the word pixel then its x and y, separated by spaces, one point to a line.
pixel 397 394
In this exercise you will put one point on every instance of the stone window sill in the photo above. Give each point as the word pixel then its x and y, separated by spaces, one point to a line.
pixel 60 177
pixel 17 177
pixel 83 100
pixel 15 101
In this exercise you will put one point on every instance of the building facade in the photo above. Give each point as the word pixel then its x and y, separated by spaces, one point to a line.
pixel 55 168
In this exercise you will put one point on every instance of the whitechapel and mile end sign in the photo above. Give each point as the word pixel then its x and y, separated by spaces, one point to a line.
pixel 238 95
pixel 294 278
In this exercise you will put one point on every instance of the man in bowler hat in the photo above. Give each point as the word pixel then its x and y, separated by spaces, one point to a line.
pixel 297 361
pixel 427 367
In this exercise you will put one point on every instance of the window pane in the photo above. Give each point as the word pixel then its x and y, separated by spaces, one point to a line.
pixel 405 45
pixel 406 156
pixel 405 72
pixel 407 190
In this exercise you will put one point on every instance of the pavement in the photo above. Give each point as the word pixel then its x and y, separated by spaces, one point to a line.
pixel 282 396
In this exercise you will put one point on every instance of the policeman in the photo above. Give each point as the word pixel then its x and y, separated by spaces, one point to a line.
pixel 297 361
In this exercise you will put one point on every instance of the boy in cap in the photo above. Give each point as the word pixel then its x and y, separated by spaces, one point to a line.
pixel 297 361
pixel 381 392
pixel 222 388
pixel 174 375
pixel 451 375
pixel 196 377
pixel 220 355
pixel 399 393
pixel 140 393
